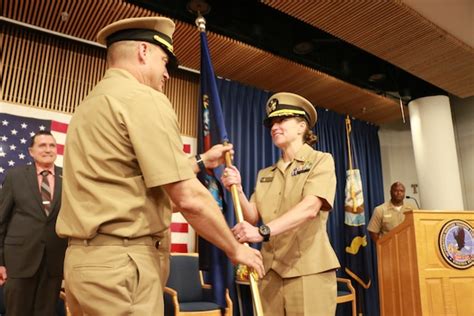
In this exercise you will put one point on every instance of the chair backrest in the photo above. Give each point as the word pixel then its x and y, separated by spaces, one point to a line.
pixel 342 288
pixel 346 293
pixel 184 277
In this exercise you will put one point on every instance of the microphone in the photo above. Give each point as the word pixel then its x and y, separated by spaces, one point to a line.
pixel 412 198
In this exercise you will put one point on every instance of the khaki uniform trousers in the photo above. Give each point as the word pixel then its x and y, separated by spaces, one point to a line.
pixel 308 295
pixel 113 276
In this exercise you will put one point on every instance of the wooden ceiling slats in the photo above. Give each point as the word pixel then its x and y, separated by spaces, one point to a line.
pixel 393 31
pixel 53 22
pixel 73 23
pixel 231 59
pixel 111 14
pixel 42 14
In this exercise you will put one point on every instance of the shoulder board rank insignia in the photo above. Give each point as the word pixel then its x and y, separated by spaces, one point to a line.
pixel 266 179
pixel 306 167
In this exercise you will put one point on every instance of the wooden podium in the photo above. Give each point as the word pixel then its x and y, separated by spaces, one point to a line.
pixel 414 277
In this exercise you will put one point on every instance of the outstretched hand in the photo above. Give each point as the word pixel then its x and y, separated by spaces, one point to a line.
pixel 215 156
pixel 250 257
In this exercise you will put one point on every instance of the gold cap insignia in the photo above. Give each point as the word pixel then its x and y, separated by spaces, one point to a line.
pixel 272 105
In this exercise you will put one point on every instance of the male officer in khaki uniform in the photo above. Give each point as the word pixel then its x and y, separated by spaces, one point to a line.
pixel 389 215
pixel 122 166
pixel 293 199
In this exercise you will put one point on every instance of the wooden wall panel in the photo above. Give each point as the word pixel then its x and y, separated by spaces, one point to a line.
pixel 183 91
pixel 45 71
pixel 54 73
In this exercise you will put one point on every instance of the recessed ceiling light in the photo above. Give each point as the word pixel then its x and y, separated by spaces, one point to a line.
pixel 198 6
pixel 303 48
pixel 377 77
pixel 64 16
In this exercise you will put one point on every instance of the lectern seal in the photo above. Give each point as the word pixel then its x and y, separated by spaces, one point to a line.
pixel 456 244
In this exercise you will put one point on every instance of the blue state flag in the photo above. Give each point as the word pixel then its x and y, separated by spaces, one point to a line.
pixel 211 131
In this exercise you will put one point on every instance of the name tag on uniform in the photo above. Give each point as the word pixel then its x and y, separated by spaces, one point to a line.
pixel 266 179
pixel 46 202
pixel 387 215
pixel 306 167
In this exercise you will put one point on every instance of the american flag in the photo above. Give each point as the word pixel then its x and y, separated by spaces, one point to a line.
pixel 19 123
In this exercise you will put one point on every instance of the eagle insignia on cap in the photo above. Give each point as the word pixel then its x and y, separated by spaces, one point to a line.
pixel 272 105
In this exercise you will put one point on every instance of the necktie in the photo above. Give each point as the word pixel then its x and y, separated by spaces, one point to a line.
pixel 46 192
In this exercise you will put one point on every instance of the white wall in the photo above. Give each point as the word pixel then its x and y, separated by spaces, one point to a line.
pixel 463 119
pixel 398 160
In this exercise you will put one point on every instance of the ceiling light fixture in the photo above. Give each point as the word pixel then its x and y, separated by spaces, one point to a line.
pixel 377 77
pixel 197 7
pixel 64 16
pixel 303 48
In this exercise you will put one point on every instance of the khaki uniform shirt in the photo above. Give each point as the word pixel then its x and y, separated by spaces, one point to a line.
pixel 305 249
pixel 386 217
pixel 123 143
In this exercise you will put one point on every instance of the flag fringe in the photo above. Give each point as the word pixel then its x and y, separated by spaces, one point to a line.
pixel 359 280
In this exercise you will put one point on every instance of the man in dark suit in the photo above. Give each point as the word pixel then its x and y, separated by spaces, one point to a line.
pixel 31 254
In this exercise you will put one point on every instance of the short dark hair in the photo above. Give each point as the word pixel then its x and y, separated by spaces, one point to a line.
pixel 32 139
pixel 397 184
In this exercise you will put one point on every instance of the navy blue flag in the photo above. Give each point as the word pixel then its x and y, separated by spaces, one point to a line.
pixel 355 233
pixel 358 263
pixel 15 135
pixel 211 131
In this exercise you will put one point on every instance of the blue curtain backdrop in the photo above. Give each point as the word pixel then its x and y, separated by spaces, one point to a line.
pixel 244 110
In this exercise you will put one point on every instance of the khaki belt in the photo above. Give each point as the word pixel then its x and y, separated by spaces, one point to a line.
pixel 109 240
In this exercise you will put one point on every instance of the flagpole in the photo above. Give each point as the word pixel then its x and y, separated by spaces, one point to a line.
pixel 257 303
pixel 351 171
pixel 253 277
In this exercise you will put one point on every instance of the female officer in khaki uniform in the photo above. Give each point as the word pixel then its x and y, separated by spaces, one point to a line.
pixel 293 199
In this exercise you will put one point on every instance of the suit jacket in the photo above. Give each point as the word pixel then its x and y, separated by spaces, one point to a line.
pixel 26 233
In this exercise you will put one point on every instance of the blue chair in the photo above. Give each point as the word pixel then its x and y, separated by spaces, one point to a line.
pixel 346 293
pixel 185 292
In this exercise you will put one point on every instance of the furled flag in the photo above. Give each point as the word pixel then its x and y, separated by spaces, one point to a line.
pixel 355 236
pixel 211 131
